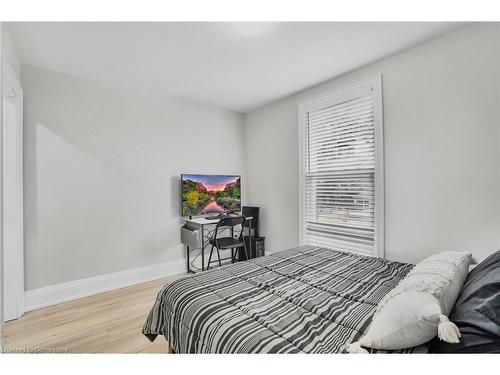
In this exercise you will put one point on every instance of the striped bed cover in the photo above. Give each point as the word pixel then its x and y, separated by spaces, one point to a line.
pixel 301 300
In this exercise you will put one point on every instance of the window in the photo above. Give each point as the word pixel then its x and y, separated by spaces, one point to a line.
pixel 341 187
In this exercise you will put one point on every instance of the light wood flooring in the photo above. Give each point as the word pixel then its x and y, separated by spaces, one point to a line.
pixel 109 322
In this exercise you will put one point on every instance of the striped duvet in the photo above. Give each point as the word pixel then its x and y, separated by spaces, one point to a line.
pixel 302 300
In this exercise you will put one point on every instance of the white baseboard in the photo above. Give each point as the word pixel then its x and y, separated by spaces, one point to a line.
pixel 58 293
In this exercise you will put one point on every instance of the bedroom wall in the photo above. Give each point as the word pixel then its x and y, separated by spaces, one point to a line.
pixel 9 51
pixel 441 129
pixel 102 175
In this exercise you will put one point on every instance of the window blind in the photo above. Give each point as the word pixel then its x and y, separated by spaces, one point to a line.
pixel 340 172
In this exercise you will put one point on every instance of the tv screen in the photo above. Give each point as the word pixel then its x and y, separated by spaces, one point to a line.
pixel 208 194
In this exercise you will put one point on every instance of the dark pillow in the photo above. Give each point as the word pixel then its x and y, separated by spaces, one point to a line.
pixel 477 311
pixel 490 308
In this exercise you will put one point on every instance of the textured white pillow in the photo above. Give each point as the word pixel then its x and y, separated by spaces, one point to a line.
pixel 416 310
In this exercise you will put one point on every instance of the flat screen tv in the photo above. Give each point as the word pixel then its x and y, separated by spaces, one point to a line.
pixel 209 194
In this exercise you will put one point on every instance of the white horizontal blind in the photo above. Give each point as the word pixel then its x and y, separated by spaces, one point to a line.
pixel 340 164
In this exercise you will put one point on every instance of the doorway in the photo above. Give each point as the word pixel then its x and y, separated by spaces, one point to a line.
pixel 13 240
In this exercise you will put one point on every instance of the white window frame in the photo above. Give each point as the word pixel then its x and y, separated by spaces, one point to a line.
pixel 327 100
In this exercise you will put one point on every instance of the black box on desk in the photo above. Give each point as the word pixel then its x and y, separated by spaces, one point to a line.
pixel 256 250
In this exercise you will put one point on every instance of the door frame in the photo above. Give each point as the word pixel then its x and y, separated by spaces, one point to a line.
pixel 13 91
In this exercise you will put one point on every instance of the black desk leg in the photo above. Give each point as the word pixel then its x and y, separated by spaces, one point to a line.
pixel 250 239
pixel 187 250
pixel 232 236
pixel 202 249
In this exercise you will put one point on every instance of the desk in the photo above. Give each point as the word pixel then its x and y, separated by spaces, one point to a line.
pixel 204 224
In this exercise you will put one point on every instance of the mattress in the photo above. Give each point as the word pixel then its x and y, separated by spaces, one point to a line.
pixel 302 300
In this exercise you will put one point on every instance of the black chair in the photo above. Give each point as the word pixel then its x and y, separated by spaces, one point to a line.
pixel 226 243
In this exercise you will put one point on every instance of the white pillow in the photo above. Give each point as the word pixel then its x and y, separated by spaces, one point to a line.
pixel 418 308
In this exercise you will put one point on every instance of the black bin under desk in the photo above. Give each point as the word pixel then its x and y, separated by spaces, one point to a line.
pixel 256 250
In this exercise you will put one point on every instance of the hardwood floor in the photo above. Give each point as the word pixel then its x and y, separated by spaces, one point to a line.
pixel 109 322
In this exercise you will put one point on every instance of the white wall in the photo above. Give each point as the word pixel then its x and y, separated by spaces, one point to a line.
pixel 441 149
pixel 102 174
pixel 9 52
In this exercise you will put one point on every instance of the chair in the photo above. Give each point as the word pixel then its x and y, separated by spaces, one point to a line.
pixel 226 243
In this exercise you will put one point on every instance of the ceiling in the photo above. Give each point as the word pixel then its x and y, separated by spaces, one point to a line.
pixel 236 66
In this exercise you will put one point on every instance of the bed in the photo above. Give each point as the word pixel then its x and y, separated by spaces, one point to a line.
pixel 302 300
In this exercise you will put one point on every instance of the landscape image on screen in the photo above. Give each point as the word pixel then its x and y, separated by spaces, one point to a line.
pixel 205 194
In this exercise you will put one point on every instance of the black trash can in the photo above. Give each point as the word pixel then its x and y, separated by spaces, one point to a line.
pixel 257 249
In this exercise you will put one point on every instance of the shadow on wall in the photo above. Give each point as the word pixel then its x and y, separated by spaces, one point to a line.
pixel 175 188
